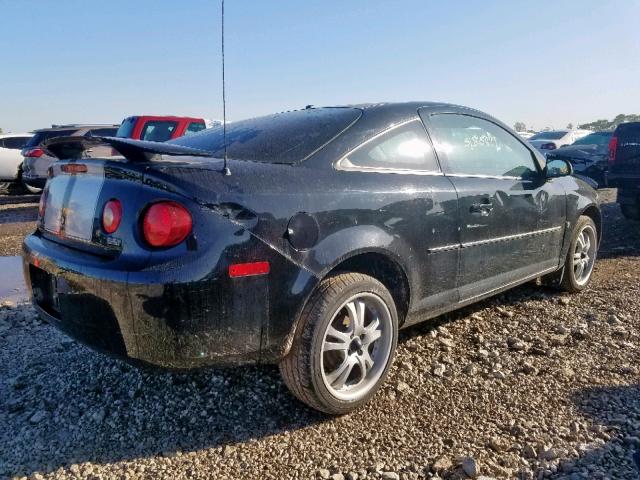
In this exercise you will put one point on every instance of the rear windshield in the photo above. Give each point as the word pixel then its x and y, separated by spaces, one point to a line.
pixel 287 137
pixel 101 132
pixel 126 127
pixel 548 136
pixel 598 138
pixel 40 137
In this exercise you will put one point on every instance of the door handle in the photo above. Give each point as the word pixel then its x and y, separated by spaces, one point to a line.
pixel 482 208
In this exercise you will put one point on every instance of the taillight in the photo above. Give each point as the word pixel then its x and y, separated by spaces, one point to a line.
pixel 74 168
pixel 613 147
pixel 111 215
pixel 548 146
pixel 34 153
pixel 166 224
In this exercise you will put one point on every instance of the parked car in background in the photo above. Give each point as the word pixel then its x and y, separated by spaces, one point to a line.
pixel 159 128
pixel 624 167
pixel 11 145
pixel 554 139
pixel 589 156
pixel 335 228
pixel 526 135
pixel 36 162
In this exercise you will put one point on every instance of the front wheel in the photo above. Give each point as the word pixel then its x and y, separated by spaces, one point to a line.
pixel 581 257
pixel 344 344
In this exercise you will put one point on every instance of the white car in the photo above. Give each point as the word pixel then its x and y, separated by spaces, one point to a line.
pixel 554 139
pixel 11 159
pixel 526 135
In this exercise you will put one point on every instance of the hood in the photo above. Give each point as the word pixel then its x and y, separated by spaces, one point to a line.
pixel 537 143
pixel 581 152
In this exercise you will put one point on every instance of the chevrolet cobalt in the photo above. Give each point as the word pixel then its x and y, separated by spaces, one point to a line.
pixel 323 232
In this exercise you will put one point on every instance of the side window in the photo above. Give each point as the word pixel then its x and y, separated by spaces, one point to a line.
pixel 473 146
pixel 157 130
pixel 402 148
pixel 14 143
pixel 194 127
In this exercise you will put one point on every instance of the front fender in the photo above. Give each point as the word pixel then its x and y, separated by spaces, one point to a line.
pixel 581 199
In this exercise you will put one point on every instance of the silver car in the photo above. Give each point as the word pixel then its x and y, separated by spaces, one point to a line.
pixel 35 166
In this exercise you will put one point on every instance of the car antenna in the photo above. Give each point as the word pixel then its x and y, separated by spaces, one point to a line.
pixel 225 169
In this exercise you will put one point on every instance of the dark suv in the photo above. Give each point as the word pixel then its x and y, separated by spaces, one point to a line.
pixel 36 162
pixel 624 167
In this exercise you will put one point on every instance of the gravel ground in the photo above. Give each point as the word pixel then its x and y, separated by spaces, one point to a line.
pixel 16 221
pixel 530 384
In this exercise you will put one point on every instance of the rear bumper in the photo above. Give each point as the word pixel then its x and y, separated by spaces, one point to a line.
pixel 34 182
pixel 177 325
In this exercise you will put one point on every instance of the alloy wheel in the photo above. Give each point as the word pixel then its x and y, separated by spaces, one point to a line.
pixel 356 346
pixel 584 254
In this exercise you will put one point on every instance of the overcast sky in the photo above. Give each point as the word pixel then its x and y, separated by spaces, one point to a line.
pixel 546 63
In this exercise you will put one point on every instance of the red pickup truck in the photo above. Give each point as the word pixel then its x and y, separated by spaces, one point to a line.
pixel 159 128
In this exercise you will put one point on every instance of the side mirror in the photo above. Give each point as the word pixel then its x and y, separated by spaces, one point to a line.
pixel 558 167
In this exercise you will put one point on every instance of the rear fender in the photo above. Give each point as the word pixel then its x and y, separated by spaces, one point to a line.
pixel 335 249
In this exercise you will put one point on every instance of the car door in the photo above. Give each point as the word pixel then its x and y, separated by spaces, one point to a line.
pixel 10 157
pixel 415 204
pixel 511 218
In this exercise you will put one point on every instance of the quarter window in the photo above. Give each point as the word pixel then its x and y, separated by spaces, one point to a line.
pixel 402 148
pixel 473 146
pixel 14 143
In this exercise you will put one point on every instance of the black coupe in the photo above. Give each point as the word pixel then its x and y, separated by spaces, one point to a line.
pixel 331 229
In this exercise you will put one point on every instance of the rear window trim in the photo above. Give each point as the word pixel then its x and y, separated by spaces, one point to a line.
pixel 338 164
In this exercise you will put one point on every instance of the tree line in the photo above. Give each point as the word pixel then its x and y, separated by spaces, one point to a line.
pixel 596 126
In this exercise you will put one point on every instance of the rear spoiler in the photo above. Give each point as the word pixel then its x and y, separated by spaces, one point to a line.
pixel 132 150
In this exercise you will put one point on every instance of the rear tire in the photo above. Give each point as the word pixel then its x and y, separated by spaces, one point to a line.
pixel 344 344
pixel 581 257
pixel 631 212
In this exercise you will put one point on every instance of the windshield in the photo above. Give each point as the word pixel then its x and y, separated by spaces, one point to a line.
pixel 598 138
pixel 549 135
pixel 126 127
pixel 287 137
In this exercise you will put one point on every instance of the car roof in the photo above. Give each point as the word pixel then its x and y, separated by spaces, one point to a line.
pixel 11 135
pixel 397 111
pixel 166 117
pixel 76 126
pixel 409 107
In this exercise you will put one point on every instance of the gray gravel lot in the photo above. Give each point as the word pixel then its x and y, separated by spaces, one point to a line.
pixel 530 384
pixel 16 221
